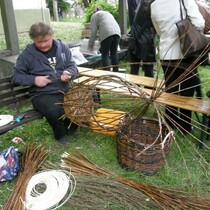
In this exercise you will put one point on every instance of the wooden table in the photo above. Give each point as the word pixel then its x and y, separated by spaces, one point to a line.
pixel 136 79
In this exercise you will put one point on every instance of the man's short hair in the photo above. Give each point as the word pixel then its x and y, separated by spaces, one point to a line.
pixel 40 29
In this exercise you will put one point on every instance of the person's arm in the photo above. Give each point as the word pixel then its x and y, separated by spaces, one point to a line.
pixel 21 76
pixel 20 73
pixel 70 68
pixel 205 11
pixel 194 14
pixel 94 31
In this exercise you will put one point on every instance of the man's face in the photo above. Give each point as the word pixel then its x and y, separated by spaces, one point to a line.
pixel 43 43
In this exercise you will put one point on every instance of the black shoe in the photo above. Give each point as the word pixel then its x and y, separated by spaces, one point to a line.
pixel 64 140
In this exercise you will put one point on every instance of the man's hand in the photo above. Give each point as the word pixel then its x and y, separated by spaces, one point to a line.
pixel 42 81
pixel 66 76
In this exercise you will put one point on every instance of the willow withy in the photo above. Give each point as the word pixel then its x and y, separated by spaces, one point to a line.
pixel 165 198
pixel 32 159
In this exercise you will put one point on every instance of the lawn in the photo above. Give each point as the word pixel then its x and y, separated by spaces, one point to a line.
pixel 186 169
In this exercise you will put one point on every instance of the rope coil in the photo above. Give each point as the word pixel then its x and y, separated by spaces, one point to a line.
pixel 49 190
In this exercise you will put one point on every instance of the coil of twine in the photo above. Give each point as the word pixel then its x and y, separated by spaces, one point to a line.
pixel 49 189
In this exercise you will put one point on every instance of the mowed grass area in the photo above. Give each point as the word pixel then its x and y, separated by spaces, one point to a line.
pixel 187 167
pixel 68 32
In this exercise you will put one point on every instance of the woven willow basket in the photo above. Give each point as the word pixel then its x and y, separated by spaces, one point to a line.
pixel 139 146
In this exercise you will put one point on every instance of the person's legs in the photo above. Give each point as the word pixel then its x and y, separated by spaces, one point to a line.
pixel 148 70
pixel 113 52
pixel 135 63
pixel 148 66
pixel 50 106
pixel 181 80
pixel 198 88
pixel 171 113
pixel 187 89
pixel 105 48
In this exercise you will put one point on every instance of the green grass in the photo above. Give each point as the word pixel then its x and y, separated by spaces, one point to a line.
pixel 185 170
pixel 69 31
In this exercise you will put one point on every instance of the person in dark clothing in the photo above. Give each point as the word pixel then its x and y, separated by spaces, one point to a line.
pixel 132 6
pixel 143 48
pixel 47 67
pixel 173 69
pixel 180 73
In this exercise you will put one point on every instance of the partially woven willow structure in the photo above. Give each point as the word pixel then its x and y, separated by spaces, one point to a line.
pixel 138 148
pixel 78 103
pixel 111 92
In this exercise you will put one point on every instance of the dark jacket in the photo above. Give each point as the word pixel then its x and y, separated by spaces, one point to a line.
pixel 142 31
pixel 132 5
pixel 32 63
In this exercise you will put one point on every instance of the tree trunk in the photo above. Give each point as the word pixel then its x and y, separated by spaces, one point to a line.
pixel 86 3
pixel 55 10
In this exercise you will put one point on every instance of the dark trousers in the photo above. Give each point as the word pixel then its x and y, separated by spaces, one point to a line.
pixel 51 107
pixel 109 47
pixel 184 86
pixel 135 65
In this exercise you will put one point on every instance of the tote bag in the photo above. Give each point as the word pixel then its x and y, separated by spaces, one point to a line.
pixel 192 41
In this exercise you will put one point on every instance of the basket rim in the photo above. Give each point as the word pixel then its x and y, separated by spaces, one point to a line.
pixel 123 137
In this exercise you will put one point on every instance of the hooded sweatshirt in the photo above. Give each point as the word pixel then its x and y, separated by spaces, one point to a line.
pixel 31 63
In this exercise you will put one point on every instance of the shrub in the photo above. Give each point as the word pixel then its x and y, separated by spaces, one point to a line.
pixel 63 5
pixel 106 7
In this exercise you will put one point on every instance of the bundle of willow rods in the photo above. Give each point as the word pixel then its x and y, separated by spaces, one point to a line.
pixel 165 198
pixel 102 192
pixel 32 159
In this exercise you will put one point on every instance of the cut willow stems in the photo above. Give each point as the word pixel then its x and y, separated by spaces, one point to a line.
pixel 32 159
pixel 187 144
pixel 165 198
pixel 105 193
pixel 97 192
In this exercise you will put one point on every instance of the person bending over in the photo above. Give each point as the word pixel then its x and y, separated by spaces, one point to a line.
pixel 104 23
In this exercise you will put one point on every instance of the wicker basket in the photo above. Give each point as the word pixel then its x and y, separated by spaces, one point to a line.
pixel 138 147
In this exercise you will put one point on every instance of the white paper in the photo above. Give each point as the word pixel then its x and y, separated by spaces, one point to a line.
pixel 78 56
pixel 84 47
pixel 5 119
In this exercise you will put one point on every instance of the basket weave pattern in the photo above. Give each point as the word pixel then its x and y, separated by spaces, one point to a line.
pixel 78 104
pixel 139 148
